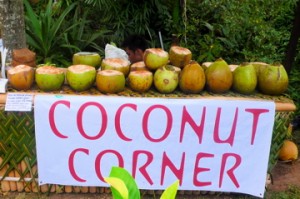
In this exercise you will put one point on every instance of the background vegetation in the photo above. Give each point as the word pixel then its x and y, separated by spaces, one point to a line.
pixel 237 31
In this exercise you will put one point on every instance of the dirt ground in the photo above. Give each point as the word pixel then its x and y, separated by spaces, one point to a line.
pixel 284 175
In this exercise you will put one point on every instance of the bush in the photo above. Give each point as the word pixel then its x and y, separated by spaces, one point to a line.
pixel 239 31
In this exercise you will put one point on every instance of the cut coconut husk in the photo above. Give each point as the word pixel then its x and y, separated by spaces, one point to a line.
pixel 81 77
pixel 87 58
pixel 49 78
pixel 140 80
pixel 110 81
pixel 155 58
pixel 179 56
pixel 21 77
pixel 119 64
pixel 138 66
pixel 23 56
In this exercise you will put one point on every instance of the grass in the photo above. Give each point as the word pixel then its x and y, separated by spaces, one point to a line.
pixel 293 192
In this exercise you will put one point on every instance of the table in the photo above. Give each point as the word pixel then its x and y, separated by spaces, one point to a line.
pixel 17 137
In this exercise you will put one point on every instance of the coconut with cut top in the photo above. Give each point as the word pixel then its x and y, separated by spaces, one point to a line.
pixel 119 64
pixel 155 58
pixel 81 77
pixel 138 66
pixel 110 81
pixel 140 80
pixel 49 78
pixel 180 56
pixel 87 58
pixel 21 77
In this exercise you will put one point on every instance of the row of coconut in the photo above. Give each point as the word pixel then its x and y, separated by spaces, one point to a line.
pixel 166 71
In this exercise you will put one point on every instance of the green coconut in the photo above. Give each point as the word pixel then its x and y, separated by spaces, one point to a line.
pixel 155 58
pixel 218 76
pixel 49 78
pixel 244 79
pixel 110 81
pixel 87 58
pixel 81 77
pixel 166 79
pixel 273 79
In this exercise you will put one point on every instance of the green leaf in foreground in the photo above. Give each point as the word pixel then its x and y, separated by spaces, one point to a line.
pixel 122 174
pixel 119 186
pixel 171 191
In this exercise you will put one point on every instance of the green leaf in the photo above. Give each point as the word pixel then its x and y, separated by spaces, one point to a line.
pixel 118 185
pixel 128 180
pixel 171 191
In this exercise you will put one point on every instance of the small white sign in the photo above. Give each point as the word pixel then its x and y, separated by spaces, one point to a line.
pixel 3 85
pixel 18 102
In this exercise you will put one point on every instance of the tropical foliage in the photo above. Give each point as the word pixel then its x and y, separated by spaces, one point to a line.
pixel 237 31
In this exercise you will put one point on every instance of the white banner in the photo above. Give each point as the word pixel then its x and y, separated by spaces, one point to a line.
pixel 212 145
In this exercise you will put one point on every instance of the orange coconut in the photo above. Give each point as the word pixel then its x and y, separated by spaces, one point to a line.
pixel 21 77
pixel 288 151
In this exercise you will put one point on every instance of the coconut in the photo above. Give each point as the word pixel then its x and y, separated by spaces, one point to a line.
pixel 81 77
pixel 192 78
pixel 218 77
pixel 233 67
pixel 140 80
pixel 179 56
pixel 21 77
pixel 138 66
pixel 177 70
pixel 165 79
pixel 110 81
pixel 155 58
pixel 244 79
pixel 273 79
pixel 258 66
pixel 49 78
pixel 205 65
pixel 87 58
pixel 288 151
pixel 119 64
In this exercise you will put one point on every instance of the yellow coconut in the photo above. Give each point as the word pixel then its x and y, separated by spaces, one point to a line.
pixel 119 64
pixel 155 58
pixel 138 66
pixel 110 81
pixel 140 80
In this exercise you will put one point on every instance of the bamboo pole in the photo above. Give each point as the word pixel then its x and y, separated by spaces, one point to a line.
pixel 279 106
